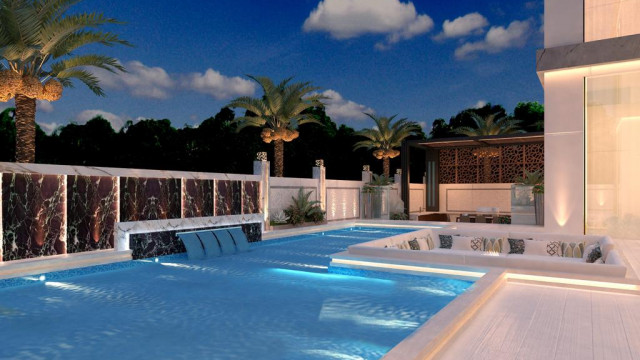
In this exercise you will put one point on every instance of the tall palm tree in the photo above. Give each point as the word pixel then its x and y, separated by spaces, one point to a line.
pixel 385 137
pixel 489 125
pixel 37 42
pixel 280 111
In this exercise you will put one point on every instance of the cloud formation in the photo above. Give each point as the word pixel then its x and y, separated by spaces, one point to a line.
pixel 470 24
pixel 43 105
pixel 217 85
pixel 139 80
pixel 346 19
pixel 153 82
pixel 116 121
pixel 48 128
pixel 341 110
pixel 498 38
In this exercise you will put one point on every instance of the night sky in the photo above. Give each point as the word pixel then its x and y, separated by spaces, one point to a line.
pixel 421 60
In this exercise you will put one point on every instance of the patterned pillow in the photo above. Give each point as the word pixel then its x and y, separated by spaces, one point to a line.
pixel 477 244
pixel 493 245
pixel 446 241
pixel 572 249
pixel 594 255
pixel 516 246
pixel 413 244
pixel 554 248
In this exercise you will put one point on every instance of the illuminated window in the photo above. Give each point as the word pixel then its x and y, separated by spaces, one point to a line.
pixel 605 19
pixel 613 155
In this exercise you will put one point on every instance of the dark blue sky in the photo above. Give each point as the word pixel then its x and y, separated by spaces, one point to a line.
pixel 387 56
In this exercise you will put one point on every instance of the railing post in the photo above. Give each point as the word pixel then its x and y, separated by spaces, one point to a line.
pixel 262 168
pixel 319 172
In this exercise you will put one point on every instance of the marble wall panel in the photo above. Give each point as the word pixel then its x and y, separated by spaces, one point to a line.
pixel 228 197
pixel 150 199
pixel 251 197
pixel 92 209
pixel 197 198
pixel 166 242
pixel 33 210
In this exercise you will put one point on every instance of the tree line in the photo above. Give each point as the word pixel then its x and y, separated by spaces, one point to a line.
pixel 217 146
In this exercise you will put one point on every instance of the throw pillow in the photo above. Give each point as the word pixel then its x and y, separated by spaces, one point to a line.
pixel 493 245
pixel 554 248
pixel 599 261
pixel 461 242
pixel 516 246
pixel 446 241
pixel 413 244
pixel 430 243
pixel 572 249
pixel 477 244
pixel 588 250
pixel 594 255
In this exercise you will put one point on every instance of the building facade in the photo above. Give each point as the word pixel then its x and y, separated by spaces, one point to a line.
pixel 590 70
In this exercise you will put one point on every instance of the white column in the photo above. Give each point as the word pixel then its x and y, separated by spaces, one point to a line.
pixel 263 169
pixel 320 173
pixel 564 152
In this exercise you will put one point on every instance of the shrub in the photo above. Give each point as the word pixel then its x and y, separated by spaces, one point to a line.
pixel 399 216
pixel 301 209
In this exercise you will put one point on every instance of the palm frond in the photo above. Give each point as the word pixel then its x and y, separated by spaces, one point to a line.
pixel 84 76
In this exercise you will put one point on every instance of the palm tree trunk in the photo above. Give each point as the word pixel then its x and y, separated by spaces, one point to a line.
pixel 25 129
pixel 279 157
pixel 386 164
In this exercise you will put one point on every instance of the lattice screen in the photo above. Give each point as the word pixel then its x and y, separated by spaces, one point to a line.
pixel 460 166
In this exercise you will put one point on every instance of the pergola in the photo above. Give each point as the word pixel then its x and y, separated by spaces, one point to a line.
pixel 432 164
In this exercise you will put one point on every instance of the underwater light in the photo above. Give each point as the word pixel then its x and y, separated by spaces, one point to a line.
pixel 42 278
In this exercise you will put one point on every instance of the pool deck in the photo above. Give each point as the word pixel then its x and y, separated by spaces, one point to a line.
pixel 525 321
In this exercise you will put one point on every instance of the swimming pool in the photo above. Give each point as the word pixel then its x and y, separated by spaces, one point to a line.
pixel 277 301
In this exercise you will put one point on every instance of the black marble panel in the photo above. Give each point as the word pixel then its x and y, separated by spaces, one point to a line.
pixel 166 242
pixel 33 223
pixel 198 198
pixel 228 197
pixel 149 199
pixel 92 208
pixel 251 197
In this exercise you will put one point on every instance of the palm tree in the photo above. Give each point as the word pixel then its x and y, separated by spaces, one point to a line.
pixel 489 126
pixel 385 137
pixel 37 39
pixel 280 111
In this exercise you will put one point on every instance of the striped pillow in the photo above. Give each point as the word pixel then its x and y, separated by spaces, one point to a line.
pixel 493 245
pixel 573 249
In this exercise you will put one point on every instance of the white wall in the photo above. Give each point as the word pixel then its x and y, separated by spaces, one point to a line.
pixel 467 198
pixel 282 189
pixel 343 199
pixel 563 22
pixel 417 199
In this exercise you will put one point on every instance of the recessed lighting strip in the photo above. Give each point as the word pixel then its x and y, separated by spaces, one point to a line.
pixel 579 282
pixel 423 269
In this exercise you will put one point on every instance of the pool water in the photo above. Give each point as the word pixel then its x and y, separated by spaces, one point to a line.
pixel 277 301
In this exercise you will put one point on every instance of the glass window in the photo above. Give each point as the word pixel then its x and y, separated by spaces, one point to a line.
pixel 605 19
pixel 613 155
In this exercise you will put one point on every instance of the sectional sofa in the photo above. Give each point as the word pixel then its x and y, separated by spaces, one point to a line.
pixel 542 252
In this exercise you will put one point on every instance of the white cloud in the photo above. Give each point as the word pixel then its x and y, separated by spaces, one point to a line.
pixel 217 85
pixel 116 121
pixel 497 39
pixel 139 80
pixel 480 104
pixel 43 105
pixel 341 109
pixel 48 128
pixel 472 23
pixel 346 19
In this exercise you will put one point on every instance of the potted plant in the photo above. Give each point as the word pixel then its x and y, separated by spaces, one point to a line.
pixel 372 196
pixel 523 209
pixel 538 197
